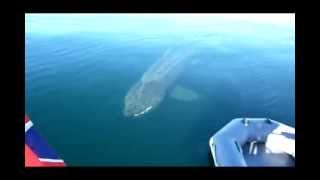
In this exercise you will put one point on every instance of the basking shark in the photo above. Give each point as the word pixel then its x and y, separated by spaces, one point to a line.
pixel 152 87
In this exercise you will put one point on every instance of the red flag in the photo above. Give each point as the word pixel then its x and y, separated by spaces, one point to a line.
pixel 37 152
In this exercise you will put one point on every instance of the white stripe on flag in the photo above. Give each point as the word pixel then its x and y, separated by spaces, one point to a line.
pixel 50 160
pixel 27 126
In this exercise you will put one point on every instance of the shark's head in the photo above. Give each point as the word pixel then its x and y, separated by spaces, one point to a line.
pixel 141 98
pixel 135 110
pixel 133 106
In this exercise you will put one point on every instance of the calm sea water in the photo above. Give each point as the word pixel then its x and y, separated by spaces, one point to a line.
pixel 76 84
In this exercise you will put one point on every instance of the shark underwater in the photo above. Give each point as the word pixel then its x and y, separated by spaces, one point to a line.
pixel 149 91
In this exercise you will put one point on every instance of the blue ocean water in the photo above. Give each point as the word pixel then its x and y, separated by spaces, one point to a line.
pixel 76 81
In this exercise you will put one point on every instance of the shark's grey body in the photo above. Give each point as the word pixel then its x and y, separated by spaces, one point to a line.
pixel 150 90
